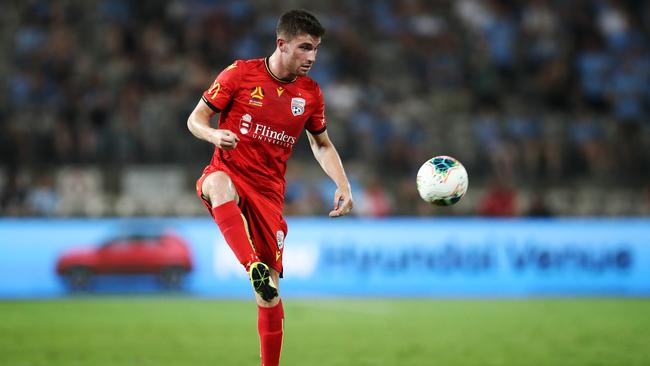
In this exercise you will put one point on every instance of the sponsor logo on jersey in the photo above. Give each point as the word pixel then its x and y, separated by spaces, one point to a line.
pixel 262 132
pixel 245 123
pixel 279 90
pixel 257 95
pixel 297 106
pixel 267 134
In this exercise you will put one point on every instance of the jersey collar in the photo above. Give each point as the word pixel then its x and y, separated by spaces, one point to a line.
pixel 268 69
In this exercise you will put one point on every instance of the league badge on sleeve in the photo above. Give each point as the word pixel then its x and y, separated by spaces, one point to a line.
pixel 297 106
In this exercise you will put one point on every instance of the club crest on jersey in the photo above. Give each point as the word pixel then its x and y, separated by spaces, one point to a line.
pixel 279 236
pixel 245 123
pixel 297 106
pixel 257 95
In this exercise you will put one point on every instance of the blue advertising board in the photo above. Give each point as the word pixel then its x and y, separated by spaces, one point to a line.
pixel 360 257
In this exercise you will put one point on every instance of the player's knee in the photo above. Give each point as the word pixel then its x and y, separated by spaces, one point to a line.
pixel 218 197
pixel 267 304
pixel 219 188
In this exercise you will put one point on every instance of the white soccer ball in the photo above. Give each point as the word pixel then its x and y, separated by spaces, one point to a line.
pixel 442 181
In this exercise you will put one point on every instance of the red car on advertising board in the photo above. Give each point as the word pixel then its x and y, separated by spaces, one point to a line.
pixel 163 254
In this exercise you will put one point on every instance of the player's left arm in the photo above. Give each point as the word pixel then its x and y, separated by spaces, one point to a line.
pixel 329 159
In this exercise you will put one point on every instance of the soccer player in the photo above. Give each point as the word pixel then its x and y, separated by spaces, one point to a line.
pixel 263 106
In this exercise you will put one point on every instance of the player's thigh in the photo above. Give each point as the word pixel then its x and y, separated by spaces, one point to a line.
pixel 219 188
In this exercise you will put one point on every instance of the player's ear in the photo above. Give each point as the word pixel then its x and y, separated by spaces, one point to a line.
pixel 282 44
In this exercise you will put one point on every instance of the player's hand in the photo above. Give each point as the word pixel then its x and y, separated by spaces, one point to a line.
pixel 225 139
pixel 342 202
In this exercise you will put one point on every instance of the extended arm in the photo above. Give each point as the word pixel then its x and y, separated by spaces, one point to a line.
pixel 199 124
pixel 328 158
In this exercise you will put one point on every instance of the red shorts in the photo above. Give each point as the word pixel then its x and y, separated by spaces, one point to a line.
pixel 266 225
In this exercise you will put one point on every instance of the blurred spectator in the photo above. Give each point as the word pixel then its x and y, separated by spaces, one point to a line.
pixel 374 200
pixel 541 27
pixel 525 132
pixel 500 36
pixel 538 206
pixel 496 148
pixel 627 88
pixel 42 199
pixel 499 200
pixel 588 135
pixel 14 194
pixel 613 24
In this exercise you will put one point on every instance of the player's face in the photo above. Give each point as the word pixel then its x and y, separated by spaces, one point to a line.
pixel 300 54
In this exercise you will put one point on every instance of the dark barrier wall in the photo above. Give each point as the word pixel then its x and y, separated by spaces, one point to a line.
pixel 343 257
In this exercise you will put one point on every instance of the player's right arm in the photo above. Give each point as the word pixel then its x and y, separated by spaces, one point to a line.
pixel 215 99
pixel 199 124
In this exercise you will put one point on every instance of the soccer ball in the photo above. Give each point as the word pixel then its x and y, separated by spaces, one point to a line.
pixel 442 181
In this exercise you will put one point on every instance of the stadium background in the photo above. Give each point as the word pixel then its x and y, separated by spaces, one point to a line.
pixel 546 103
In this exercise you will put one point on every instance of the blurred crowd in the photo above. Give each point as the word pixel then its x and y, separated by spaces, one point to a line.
pixel 546 102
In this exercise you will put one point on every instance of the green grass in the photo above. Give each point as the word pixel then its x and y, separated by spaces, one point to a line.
pixel 190 332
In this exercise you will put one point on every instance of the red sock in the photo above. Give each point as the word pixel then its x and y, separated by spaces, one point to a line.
pixel 270 326
pixel 232 224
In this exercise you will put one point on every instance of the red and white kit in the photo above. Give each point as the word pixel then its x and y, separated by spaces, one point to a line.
pixel 268 115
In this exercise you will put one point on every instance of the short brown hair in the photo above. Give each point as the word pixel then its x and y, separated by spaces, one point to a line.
pixel 296 22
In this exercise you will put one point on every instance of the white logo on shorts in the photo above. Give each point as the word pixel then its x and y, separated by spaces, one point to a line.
pixel 279 237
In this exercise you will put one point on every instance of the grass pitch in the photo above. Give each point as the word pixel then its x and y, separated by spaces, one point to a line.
pixel 183 331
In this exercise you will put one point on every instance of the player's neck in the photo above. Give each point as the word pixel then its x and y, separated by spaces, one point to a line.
pixel 278 70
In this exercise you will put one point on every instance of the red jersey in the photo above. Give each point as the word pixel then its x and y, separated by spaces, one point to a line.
pixel 268 115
